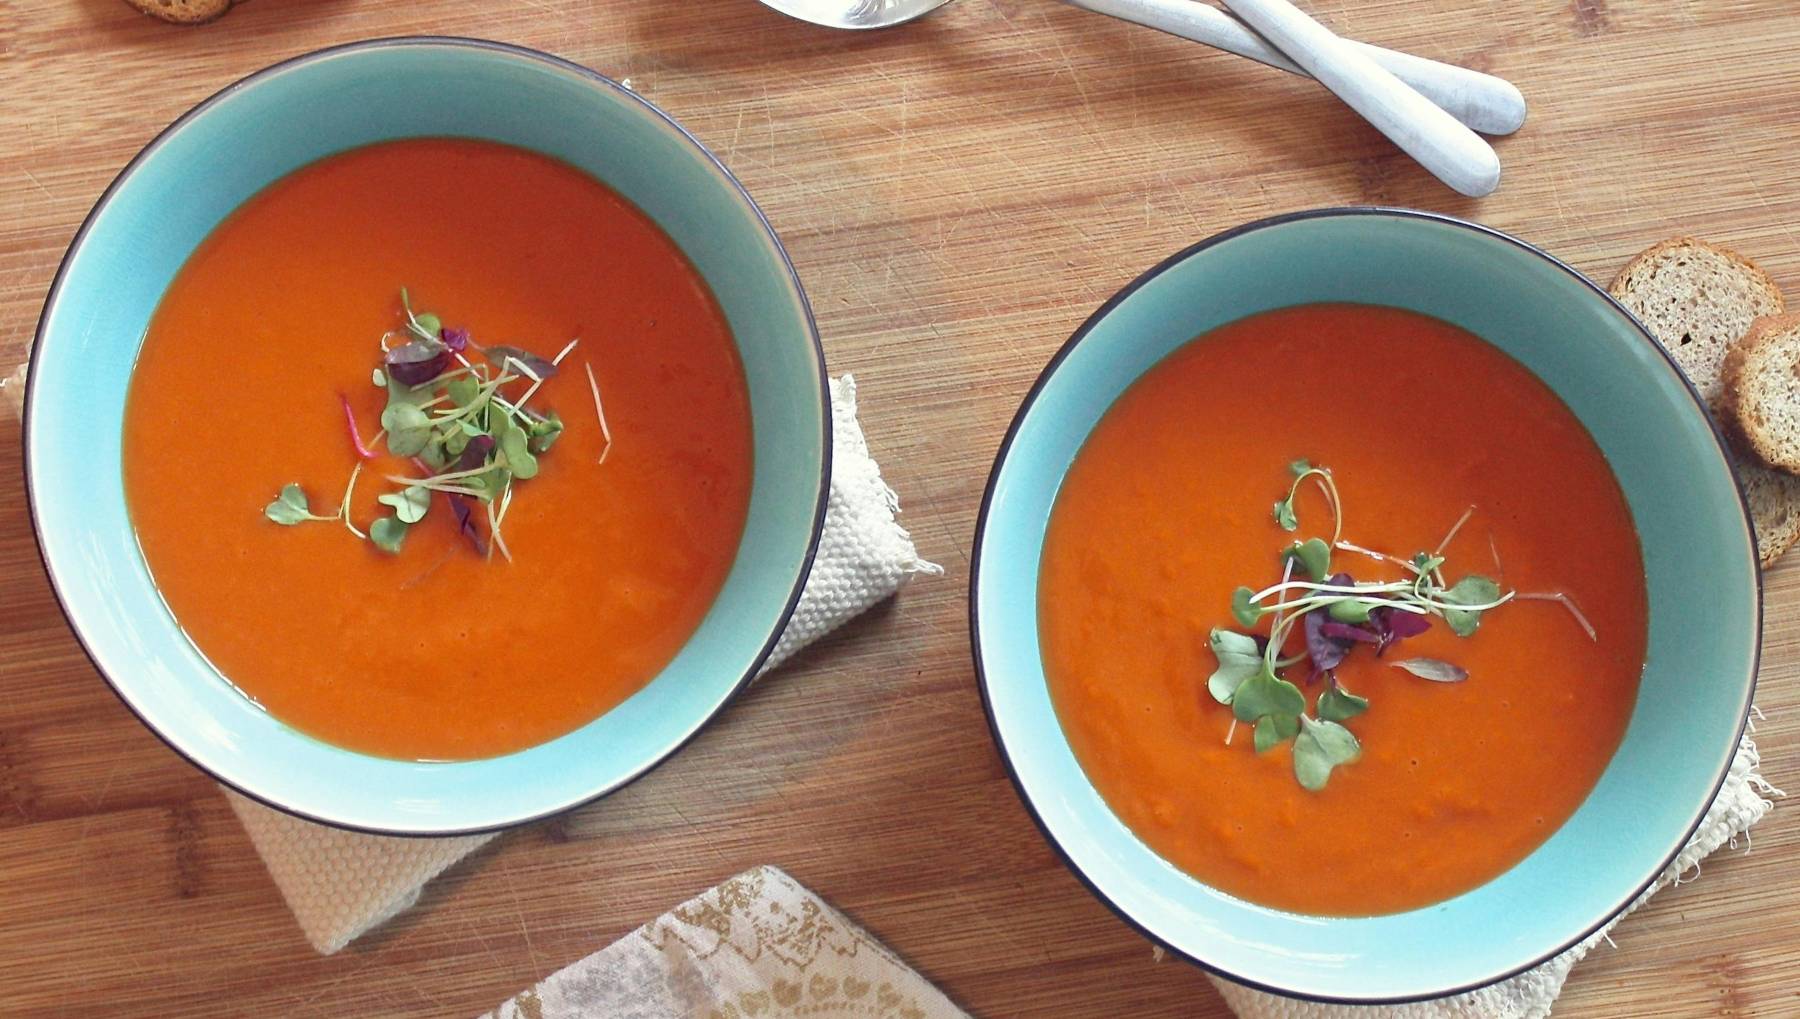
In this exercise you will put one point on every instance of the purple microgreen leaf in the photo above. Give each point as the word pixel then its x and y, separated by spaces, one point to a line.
pixel 456 338
pixel 1432 669
pixel 1326 652
pixel 465 521
pixel 1344 631
pixel 417 362
pixel 510 358
pixel 475 453
pixel 1403 624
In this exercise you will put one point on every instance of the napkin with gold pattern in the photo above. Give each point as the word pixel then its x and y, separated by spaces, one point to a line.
pixel 759 946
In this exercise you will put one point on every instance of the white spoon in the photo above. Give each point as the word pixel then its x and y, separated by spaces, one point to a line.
pixel 1455 154
pixel 1485 103
pixel 1482 101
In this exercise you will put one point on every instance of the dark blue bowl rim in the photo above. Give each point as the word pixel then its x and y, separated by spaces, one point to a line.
pixel 1075 340
pixel 820 500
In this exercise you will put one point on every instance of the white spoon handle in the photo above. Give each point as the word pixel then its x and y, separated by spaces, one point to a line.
pixel 1484 102
pixel 1455 154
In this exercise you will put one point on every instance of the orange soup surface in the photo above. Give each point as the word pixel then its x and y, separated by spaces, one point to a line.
pixel 436 653
pixel 1167 509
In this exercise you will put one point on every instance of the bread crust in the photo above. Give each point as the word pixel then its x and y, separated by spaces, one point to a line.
pixel 183 12
pixel 1773 496
pixel 1621 284
pixel 1739 375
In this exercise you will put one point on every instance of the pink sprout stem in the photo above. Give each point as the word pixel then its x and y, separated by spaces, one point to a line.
pixel 355 436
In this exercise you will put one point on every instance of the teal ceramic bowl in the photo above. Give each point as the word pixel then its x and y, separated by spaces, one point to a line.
pixel 230 147
pixel 1699 552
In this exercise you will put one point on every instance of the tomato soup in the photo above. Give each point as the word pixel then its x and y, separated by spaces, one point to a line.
pixel 437 651
pixel 1167 510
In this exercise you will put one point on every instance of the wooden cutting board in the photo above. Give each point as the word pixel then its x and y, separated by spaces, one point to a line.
pixel 958 196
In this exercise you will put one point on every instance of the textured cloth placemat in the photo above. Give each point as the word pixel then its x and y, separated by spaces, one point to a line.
pixel 759 946
pixel 1741 802
pixel 341 884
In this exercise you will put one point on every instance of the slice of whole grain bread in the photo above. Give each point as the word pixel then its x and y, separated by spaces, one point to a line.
pixel 1761 380
pixel 183 12
pixel 1698 300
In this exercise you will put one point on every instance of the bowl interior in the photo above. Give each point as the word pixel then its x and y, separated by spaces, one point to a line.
pixel 1698 549
pixel 232 147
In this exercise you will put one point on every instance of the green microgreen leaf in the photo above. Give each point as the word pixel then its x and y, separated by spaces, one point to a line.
pixel 1274 730
pixel 514 449
pixel 1239 659
pixel 410 503
pixel 408 428
pixel 1473 589
pixel 387 533
pixel 545 432
pixel 1243 609
pixel 1264 694
pixel 1433 669
pixel 1284 514
pixel 1351 610
pixel 435 455
pixel 1300 468
pixel 463 390
pixel 1312 554
pixel 290 507
pixel 1337 704
pixel 1425 562
pixel 1320 747
pixel 459 420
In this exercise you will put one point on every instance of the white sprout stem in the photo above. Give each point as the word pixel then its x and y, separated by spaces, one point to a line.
pixel 1277 634
pixel 401 479
pixel 494 533
pixel 1231 731
pixel 344 507
pixel 1460 521
pixel 1494 550
pixel 537 382
pixel 1391 587
pixel 524 369
pixel 1567 603
pixel 1443 606
pixel 432 486
pixel 1372 554
pixel 599 411
pixel 1337 506
pixel 488 390
pixel 558 359
pixel 505 503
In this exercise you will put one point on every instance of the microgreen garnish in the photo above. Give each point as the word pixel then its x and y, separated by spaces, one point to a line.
pixel 457 422
pixel 290 507
pixel 1432 669
pixel 1335 613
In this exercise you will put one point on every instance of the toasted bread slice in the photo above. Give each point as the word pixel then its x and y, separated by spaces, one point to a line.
pixel 183 12
pixel 1761 380
pixel 1699 300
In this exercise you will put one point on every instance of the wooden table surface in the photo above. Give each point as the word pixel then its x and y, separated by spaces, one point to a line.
pixel 958 195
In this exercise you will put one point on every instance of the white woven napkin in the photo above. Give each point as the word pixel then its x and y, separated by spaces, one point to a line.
pixel 759 945
pixel 341 884
pixel 1741 802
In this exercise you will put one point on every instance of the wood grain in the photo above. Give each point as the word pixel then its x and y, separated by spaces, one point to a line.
pixel 958 195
